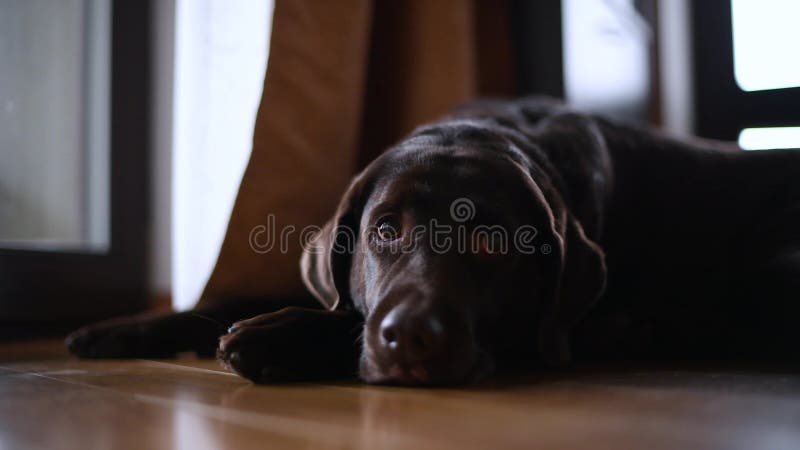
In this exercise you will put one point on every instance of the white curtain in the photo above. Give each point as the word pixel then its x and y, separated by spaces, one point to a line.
pixel 220 59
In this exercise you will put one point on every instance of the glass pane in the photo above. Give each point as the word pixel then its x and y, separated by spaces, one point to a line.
pixel 54 103
pixel 765 38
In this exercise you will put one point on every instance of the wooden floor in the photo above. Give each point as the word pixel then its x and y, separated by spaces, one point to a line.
pixel 49 401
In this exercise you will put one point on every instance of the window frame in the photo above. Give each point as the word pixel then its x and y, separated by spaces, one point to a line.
pixel 43 291
pixel 722 108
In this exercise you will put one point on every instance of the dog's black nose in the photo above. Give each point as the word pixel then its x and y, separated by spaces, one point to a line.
pixel 411 336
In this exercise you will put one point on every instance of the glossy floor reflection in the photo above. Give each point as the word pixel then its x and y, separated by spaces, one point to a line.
pixel 50 401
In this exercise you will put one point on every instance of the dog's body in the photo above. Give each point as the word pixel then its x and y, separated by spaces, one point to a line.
pixel 691 248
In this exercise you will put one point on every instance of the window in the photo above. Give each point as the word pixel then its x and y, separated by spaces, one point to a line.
pixel 75 103
pixel 606 57
pixel 55 127
pixel 746 73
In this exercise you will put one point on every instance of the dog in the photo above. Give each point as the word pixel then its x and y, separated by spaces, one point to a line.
pixel 520 234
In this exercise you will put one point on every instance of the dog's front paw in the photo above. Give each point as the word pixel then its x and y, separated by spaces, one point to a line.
pixel 246 352
pixel 292 344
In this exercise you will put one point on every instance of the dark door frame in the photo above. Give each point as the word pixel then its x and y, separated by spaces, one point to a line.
pixel 536 36
pixel 54 290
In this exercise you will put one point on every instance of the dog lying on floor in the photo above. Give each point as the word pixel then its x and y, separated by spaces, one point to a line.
pixel 516 233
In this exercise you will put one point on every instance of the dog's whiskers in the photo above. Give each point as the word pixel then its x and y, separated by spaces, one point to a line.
pixel 209 319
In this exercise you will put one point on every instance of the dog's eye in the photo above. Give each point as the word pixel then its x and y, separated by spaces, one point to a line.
pixel 388 229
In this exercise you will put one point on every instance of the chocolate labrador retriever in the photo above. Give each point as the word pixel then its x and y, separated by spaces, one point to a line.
pixel 520 232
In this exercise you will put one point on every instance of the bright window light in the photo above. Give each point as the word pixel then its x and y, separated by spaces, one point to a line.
pixel 769 138
pixel 765 38
pixel 605 56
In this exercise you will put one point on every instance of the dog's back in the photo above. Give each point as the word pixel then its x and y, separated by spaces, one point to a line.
pixel 702 239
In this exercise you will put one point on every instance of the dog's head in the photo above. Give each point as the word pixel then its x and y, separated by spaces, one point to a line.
pixel 457 250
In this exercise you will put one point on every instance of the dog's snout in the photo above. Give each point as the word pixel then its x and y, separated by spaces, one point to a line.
pixel 418 340
pixel 411 336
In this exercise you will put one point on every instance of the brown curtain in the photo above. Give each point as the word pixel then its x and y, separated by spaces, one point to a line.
pixel 345 79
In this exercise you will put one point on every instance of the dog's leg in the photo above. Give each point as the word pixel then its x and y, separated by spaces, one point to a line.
pixel 293 344
pixel 165 335
pixel 774 292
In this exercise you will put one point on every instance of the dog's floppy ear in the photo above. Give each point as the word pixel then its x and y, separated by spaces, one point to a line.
pixel 574 266
pixel 576 269
pixel 580 280
pixel 326 260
